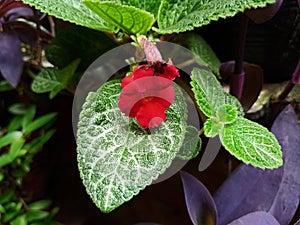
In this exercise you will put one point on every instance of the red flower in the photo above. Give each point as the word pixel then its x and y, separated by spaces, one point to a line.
pixel 148 92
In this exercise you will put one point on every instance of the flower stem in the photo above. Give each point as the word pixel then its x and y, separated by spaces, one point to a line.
pixel 278 103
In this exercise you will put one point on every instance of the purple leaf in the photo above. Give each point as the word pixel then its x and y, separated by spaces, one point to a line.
pixel 287 131
pixel 296 74
pixel 199 202
pixel 18 12
pixel 11 63
pixel 250 189
pixel 254 218
pixel 261 15
pixel 27 34
pixel 253 81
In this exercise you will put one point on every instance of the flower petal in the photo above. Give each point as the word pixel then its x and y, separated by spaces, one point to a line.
pixel 151 114
pixel 127 80
pixel 170 72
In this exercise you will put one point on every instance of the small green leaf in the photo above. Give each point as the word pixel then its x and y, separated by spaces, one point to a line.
pixel 1 179
pixel 10 138
pixel 208 91
pixel 5 86
pixel 116 158
pixel 191 144
pixel 20 220
pixel 212 127
pixel 13 152
pixel 54 80
pixel 66 74
pixel 150 6
pixel 15 148
pixel 46 80
pixel 203 53
pixel 128 18
pixel 182 15
pixel 231 100
pixel 252 143
pixel 227 113
pixel 33 216
pixel 38 123
pixel 38 142
pixel 28 117
pixel 39 205
pixel 7 196
pixel 73 11
pixel 17 109
pixel 15 124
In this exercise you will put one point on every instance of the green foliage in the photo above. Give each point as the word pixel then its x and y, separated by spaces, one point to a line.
pixel 5 86
pixel 73 11
pixel 151 6
pixel 182 15
pixel 208 91
pixel 128 18
pixel 18 145
pixel 117 158
pixel 203 54
pixel 133 16
pixel 212 127
pixel 54 80
pixel 252 143
pixel 191 144
pixel 247 140
pixel 227 114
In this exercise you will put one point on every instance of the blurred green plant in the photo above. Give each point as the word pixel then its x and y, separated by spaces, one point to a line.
pixel 20 140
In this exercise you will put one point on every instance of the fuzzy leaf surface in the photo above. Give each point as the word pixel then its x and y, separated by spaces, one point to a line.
pixel 252 143
pixel 54 80
pixel 212 127
pixel 208 91
pixel 73 11
pixel 151 6
pixel 203 53
pixel 182 15
pixel 128 18
pixel 116 157
pixel 191 144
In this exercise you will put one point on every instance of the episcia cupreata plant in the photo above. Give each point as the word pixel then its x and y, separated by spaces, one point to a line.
pixel 130 130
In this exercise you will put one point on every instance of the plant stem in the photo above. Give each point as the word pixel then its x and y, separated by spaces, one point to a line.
pixel 238 77
pixel 278 103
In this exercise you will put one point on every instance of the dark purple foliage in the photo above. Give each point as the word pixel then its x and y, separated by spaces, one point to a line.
pixel 252 81
pixel 251 189
pixel 261 15
pixel 199 202
pixel 297 223
pixel 287 131
pixel 247 190
pixel 296 74
pixel 12 33
pixel 258 217
pixel 11 61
